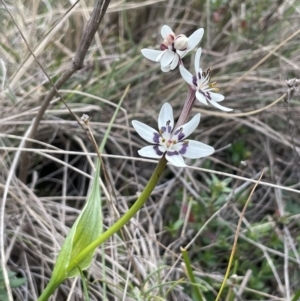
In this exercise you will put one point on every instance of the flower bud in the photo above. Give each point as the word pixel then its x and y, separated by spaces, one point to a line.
pixel 169 39
pixel 181 42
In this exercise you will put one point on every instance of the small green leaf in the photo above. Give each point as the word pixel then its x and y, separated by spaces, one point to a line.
pixel 13 282
pixel 17 282
pixel 86 229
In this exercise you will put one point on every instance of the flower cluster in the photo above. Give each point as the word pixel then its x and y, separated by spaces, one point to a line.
pixel 173 49
pixel 167 141
pixel 171 142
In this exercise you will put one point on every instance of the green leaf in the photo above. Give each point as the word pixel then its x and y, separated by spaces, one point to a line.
pixel 297 296
pixel 17 282
pixel 13 282
pixel 84 232
pixel 3 296
pixel 86 229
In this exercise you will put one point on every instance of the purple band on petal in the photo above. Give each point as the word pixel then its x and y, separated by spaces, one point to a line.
pixel 177 131
pixel 199 75
pixel 184 148
pixel 156 138
pixel 163 129
pixel 205 94
pixel 172 153
pixel 208 95
pixel 181 136
pixel 158 152
pixel 195 81
pixel 169 129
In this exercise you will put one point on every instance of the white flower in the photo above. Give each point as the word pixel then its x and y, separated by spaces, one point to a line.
pixel 173 48
pixel 205 90
pixel 169 142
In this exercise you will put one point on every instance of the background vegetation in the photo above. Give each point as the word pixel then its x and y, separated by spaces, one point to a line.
pixel 198 206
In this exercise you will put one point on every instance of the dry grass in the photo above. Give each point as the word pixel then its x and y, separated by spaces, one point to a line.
pixel 191 206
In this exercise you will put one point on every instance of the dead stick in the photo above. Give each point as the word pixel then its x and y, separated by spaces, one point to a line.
pixel 86 40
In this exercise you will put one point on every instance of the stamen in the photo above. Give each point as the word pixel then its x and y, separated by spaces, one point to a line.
pixel 213 86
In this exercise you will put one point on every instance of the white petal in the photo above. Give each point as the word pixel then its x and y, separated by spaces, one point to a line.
pixel 167 58
pixel 166 68
pixel 158 58
pixel 216 96
pixel 217 105
pixel 151 54
pixel 144 130
pixel 181 53
pixel 186 75
pixel 195 149
pixel 175 62
pixel 176 160
pixel 197 61
pixel 149 152
pixel 165 115
pixel 165 30
pixel 201 98
pixel 195 38
pixel 189 127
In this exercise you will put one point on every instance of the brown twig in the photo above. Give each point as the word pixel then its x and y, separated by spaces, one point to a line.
pixel 87 38
pixel 293 85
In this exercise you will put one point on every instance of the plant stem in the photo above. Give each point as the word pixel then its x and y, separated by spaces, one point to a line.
pixel 49 289
pixel 54 283
pixel 187 107
pixel 125 218
pixel 190 274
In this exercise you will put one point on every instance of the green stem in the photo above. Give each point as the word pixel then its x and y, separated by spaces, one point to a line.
pixel 124 219
pixel 49 289
pixel 54 283
pixel 190 274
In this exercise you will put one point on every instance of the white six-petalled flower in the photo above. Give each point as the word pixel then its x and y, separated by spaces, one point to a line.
pixel 173 48
pixel 171 142
pixel 205 90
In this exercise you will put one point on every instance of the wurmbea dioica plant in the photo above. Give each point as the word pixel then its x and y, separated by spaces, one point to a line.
pixel 168 144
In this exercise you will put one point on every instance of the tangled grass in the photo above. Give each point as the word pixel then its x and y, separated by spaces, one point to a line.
pixel 252 47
